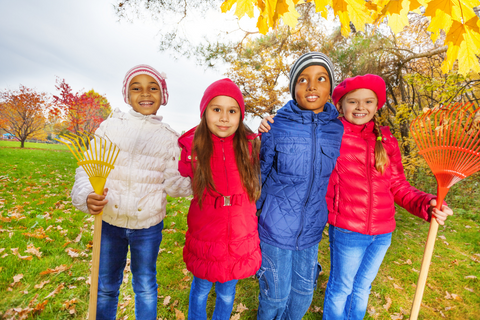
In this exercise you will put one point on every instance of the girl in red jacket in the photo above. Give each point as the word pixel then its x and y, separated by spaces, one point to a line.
pixel 366 182
pixel 221 157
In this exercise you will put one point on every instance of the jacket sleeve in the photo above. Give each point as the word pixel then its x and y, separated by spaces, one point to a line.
pixel 267 155
pixel 413 200
pixel 175 184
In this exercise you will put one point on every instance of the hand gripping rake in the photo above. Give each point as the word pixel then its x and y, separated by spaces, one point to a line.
pixel 448 137
pixel 97 161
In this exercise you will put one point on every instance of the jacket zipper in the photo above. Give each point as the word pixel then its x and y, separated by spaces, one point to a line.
pixel 130 170
pixel 312 165
pixel 369 186
pixel 228 191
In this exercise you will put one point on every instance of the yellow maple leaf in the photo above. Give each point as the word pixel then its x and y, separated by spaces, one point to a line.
pixel 290 17
pixel 321 6
pixel 440 21
pixel 463 10
pixel 359 14
pixel 397 13
pixel 262 25
pixel 443 5
pixel 243 7
pixel 467 58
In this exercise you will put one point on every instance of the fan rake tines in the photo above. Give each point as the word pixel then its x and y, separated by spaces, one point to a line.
pixel 449 140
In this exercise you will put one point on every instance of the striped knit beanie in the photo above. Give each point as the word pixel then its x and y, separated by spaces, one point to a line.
pixel 307 60
pixel 146 69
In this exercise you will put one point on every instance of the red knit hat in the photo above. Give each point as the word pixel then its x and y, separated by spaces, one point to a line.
pixel 224 87
pixel 145 69
pixel 368 81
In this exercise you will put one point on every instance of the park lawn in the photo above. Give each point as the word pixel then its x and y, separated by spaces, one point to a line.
pixel 45 249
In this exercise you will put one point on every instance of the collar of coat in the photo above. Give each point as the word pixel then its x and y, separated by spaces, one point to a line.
pixel 292 112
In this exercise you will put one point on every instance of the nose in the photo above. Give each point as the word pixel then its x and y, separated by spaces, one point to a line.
pixel 224 116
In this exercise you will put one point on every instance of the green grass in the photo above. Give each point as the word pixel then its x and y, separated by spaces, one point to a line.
pixel 31 145
pixel 34 187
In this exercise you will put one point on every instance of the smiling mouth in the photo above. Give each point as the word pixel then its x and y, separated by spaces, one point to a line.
pixel 223 128
pixel 146 103
pixel 311 98
pixel 359 115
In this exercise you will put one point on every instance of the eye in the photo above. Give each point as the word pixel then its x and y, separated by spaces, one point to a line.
pixel 154 88
pixel 216 109
pixel 322 79
pixel 302 80
pixel 135 89
pixel 233 111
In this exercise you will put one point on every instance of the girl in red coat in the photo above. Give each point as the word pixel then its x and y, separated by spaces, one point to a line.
pixel 366 182
pixel 220 155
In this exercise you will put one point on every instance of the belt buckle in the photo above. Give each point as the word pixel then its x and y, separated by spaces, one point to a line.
pixel 226 201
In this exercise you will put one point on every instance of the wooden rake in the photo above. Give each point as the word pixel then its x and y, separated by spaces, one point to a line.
pixel 97 161
pixel 448 137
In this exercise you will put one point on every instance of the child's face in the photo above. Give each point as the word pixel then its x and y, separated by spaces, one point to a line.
pixel 144 94
pixel 359 106
pixel 223 116
pixel 312 89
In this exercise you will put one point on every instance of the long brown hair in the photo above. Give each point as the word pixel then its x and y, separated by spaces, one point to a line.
pixel 248 164
pixel 381 156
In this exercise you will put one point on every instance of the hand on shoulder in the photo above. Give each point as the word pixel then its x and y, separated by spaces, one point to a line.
pixel 264 126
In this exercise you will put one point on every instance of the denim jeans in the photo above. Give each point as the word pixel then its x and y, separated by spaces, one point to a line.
pixel 197 306
pixel 144 246
pixel 287 279
pixel 355 260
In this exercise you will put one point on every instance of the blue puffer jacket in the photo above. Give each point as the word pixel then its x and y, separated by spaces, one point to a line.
pixel 297 157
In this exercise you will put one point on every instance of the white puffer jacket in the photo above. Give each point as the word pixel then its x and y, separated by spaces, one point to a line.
pixel 146 171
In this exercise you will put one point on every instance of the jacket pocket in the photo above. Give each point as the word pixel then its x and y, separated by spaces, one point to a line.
pixel 329 159
pixel 291 159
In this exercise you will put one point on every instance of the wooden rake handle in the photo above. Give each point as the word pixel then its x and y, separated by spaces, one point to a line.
pixel 427 256
pixel 97 238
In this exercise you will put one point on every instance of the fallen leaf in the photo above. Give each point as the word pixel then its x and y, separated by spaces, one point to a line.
pixel 179 315
pixel 58 269
pixel 241 307
pixel 35 251
pixel 166 301
pixel 396 316
pixel 408 261
pixel 470 277
pixel 41 284
pixel 388 304
pixel 54 292
pixel 456 297
pixel 17 278
pixel 72 252
pixel 442 237
pixel 397 287
pixel 185 271
pixel 236 316
pixel 468 289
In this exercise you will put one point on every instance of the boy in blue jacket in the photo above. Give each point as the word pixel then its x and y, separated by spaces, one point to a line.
pixel 297 157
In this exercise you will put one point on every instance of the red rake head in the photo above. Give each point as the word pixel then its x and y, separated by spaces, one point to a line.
pixel 448 137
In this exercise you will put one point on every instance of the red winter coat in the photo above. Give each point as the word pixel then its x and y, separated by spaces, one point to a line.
pixel 222 241
pixel 361 199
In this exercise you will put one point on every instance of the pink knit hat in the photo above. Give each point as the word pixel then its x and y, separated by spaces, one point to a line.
pixel 146 69
pixel 224 87
pixel 368 81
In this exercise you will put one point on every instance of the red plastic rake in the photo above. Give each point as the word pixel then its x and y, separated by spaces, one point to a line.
pixel 448 137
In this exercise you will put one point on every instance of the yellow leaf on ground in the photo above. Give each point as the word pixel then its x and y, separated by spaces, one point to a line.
pixel 388 304
pixel 241 307
pixel 179 315
pixel 166 301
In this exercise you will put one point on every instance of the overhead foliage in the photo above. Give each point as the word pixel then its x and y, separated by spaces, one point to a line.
pixel 456 18
pixel 453 24
pixel 83 112
pixel 23 113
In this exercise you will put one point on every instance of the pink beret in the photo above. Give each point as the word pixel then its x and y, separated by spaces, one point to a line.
pixel 145 69
pixel 224 87
pixel 368 81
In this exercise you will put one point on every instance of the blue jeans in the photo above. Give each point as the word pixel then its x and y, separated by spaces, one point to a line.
pixel 197 306
pixel 355 260
pixel 144 246
pixel 287 279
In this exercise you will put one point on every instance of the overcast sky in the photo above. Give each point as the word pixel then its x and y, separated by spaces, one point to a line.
pixel 83 43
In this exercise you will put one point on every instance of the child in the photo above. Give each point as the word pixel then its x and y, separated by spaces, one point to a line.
pixel 297 157
pixel 367 180
pixel 221 157
pixel 145 171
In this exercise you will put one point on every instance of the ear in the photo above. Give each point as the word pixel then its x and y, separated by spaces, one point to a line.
pixel 339 108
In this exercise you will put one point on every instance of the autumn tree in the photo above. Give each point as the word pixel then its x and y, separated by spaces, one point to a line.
pixel 83 112
pixel 23 112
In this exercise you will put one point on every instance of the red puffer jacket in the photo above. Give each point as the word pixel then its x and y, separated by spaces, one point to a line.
pixel 361 199
pixel 222 241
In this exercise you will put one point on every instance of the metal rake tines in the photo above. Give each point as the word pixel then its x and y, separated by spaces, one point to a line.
pixel 448 138
pixel 98 160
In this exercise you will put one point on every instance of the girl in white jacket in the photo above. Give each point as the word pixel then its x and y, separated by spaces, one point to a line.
pixel 146 171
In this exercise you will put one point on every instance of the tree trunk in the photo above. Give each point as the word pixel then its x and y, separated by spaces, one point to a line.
pixel 22 143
